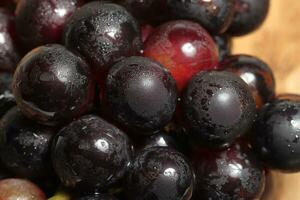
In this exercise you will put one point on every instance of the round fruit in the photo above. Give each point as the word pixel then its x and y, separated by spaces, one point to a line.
pixel 8 51
pixel 103 33
pixel 91 154
pixel 160 173
pixel 233 174
pixel 275 137
pixel 224 44
pixel 20 189
pixel 249 15
pixel 214 15
pixel 218 108
pixel 52 85
pixel 25 146
pixel 141 93
pixel 184 48
pixel 255 73
pixel 41 22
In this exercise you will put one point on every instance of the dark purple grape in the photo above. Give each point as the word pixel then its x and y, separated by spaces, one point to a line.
pixel 53 85
pixel 160 173
pixel 218 108
pixel 91 154
pixel 7 99
pixel 41 22
pixel 213 15
pixel 224 44
pixel 13 189
pixel 276 134
pixel 231 174
pixel 103 33
pixel 255 73
pixel 141 93
pixel 249 15
pixel 9 55
pixel 96 197
pixel 25 146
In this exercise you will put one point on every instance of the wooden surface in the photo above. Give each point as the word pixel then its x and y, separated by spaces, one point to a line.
pixel 278 43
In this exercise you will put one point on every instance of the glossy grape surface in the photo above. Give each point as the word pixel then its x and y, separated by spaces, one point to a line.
pixel 141 93
pixel 218 108
pixel 275 137
pixel 231 174
pixel 160 173
pixel 103 33
pixel 90 154
pixel 25 146
pixel 52 85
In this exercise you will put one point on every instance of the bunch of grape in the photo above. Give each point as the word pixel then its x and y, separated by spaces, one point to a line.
pixel 138 100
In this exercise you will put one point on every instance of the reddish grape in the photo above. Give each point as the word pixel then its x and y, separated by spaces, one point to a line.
pixel 12 189
pixel 183 47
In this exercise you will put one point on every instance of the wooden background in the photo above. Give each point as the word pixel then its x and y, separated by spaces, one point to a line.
pixel 278 43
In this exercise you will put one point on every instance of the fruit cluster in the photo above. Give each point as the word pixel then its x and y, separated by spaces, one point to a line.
pixel 138 100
